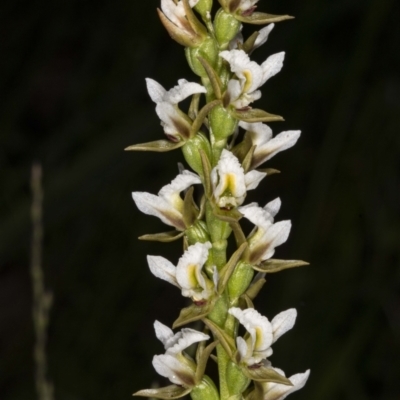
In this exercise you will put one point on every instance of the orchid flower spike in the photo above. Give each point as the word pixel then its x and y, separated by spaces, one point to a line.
pixel 240 93
pixel 266 145
pixel 176 365
pixel 262 37
pixel 168 204
pixel 277 391
pixel 230 183
pixel 261 333
pixel 267 235
pixel 176 124
pixel 188 275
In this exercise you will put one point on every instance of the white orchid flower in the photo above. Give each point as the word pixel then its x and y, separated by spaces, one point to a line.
pixel 230 183
pixel 260 40
pixel 176 124
pixel 168 204
pixel 266 145
pixel 261 333
pixel 175 12
pixel 267 235
pixel 176 365
pixel 277 391
pixel 188 275
pixel 240 93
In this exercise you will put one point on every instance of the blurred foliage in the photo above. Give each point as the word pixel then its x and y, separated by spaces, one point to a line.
pixel 73 96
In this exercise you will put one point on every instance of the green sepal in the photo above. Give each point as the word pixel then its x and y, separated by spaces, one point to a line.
pixel 159 146
pixel 201 116
pixel 237 381
pixel 245 301
pixel 194 106
pixel 190 210
pixel 260 18
pixel 240 238
pixel 232 215
pixel 240 280
pixel 191 152
pixel 255 288
pixel 242 148
pixel 167 392
pixel 254 115
pixel 207 50
pixel 248 45
pixel 205 162
pixel 272 265
pixel 165 237
pixel 205 390
pixel 228 269
pixel 193 313
pixel 202 359
pixel 213 76
pixel 226 27
pixel 225 340
pixel 265 374
pixel 246 163
pixel 222 122
pixel 269 171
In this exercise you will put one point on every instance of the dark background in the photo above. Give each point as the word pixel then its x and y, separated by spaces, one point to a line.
pixel 73 96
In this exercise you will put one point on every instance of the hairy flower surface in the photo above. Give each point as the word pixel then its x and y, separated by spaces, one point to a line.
pixel 266 145
pixel 176 124
pixel 175 365
pixel 277 391
pixel 251 76
pixel 168 204
pixel 188 275
pixel 261 333
pixel 267 235
pixel 230 183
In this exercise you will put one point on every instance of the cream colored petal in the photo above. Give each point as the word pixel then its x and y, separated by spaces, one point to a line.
pixel 259 132
pixel 173 119
pixel 233 91
pixel 272 65
pixel 283 322
pixel 263 35
pixel 256 215
pixel 172 12
pixel 276 235
pixel 185 338
pixel 273 207
pixel 164 333
pixel 183 90
pixel 242 348
pixel 253 178
pixel 154 205
pixel 163 269
pixel 171 368
pixel 156 91
pixel 276 391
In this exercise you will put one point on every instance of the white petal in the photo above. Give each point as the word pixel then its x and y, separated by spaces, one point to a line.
pixel 253 178
pixel 171 368
pixel 263 35
pixel 256 215
pixel 172 12
pixel 172 118
pixel 156 91
pixel 178 184
pixel 154 205
pixel 163 269
pixel 242 347
pixel 276 391
pixel 233 91
pixel 183 90
pixel 164 333
pixel 282 322
pixel 273 207
pixel 276 235
pixel 259 132
pixel 272 65
pixel 215 277
pixel 187 338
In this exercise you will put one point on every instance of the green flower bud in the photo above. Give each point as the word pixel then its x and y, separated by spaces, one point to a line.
pixel 198 232
pixel 207 50
pixel 203 7
pixel 237 382
pixel 226 27
pixel 205 390
pixel 240 280
pixel 222 123
pixel 191 152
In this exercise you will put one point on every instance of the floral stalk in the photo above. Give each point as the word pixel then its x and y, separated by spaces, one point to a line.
pixel 221 286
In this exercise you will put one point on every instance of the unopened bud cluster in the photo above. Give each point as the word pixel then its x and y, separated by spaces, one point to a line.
pixel 204 206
